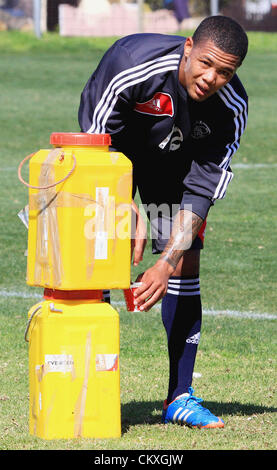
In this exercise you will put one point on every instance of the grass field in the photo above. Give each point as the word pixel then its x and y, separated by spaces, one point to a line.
pixel 41 85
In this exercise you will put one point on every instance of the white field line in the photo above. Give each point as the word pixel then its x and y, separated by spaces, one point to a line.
pixel 242 166
pixel 246 166
pixel 230 313
pixel 8 168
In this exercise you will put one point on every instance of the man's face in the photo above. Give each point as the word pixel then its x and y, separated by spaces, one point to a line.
pixel 205 69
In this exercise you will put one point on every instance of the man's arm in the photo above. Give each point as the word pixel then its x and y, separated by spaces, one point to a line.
pixel 185 228
pixel 154 281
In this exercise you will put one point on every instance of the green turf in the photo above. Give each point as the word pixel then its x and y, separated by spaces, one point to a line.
pixel 42 81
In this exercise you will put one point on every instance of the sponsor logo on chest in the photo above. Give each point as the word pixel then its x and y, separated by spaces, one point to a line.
pixel 161 104
pixel 200 130
pixel 175 137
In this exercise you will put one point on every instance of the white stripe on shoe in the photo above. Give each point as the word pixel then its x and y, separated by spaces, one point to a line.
pixel 174 418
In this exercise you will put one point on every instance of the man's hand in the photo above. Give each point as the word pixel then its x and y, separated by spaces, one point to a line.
pixel 138 242
pixel 154 285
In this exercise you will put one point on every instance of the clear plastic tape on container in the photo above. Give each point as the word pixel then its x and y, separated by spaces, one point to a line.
pixel 46 202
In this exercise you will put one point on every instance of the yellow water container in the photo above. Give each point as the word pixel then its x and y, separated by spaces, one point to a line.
pixel 80 197
pixel 74 369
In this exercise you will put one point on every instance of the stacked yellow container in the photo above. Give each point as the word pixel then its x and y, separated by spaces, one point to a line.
pixel 79 230
pixel 78 244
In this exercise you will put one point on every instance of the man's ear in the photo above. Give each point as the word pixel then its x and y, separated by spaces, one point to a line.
pixel 188 47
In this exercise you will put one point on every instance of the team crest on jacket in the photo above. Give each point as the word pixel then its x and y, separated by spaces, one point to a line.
pixel 200 130
pixel 160 105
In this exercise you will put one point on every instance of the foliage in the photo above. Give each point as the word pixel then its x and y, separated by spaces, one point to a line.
pixel 196 7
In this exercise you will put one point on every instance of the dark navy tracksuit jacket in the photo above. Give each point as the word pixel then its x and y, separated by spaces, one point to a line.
pixel 181 149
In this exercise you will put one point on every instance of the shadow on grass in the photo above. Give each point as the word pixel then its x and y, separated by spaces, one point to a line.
pixel 139 412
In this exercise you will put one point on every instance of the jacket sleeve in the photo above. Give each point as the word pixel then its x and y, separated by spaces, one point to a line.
pixel 210 172
pixel 105 101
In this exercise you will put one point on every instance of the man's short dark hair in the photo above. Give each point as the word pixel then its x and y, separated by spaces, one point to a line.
pixel 226 33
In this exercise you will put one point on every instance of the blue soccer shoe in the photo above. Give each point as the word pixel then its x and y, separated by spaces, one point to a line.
pixel 186 409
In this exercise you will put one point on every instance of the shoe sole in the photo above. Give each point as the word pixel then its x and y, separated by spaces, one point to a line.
pixel 219 424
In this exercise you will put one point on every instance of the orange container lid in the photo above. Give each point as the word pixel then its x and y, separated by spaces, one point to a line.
pixel 79 138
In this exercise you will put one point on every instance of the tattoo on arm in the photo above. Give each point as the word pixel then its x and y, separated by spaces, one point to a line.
pixel 185 228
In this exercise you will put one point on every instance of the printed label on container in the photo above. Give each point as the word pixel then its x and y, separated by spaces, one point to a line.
pixel 101 245
pixel 101 239
pixel 106 362
pixel 59 362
